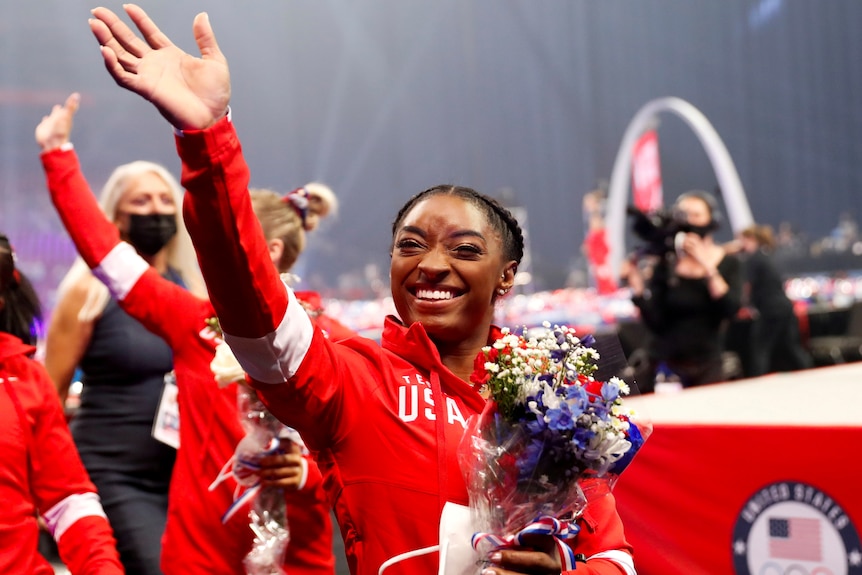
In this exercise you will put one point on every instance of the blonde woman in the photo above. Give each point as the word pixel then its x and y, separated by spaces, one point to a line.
pixel 124 366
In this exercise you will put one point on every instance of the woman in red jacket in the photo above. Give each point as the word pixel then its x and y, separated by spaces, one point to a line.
pixel 40 471
pixel 195 540
pixel 386 419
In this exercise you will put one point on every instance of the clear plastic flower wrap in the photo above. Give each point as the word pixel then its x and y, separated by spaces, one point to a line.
pixel 506 496
pixel 268 513
pixel 548 430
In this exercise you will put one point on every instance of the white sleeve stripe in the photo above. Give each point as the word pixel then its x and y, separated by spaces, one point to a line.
pixel 276 357
pixel 64 514
pixel 121 269
pixel 621 558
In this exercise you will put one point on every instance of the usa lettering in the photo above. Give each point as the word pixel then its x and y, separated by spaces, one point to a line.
pixel 410 407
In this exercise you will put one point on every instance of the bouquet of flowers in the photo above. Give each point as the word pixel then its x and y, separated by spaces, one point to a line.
pixel 268 513
pixel 548 426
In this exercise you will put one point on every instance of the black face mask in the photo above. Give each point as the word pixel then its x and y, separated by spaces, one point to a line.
pixel 149 233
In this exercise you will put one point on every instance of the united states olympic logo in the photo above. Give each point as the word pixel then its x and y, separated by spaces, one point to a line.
pixel 791 528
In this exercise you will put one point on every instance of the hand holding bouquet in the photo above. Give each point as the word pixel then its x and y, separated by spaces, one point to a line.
pixel 547 427
pixel 268 513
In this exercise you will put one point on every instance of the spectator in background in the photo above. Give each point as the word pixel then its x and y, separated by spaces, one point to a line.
pixel 687 295
pixel 40 471
pixel 595 246
pixel 775 327
pixel 124 366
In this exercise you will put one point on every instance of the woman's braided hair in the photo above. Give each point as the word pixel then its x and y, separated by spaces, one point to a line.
pixel 501 219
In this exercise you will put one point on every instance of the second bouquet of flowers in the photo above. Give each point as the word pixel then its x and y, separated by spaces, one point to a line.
pixel 549 426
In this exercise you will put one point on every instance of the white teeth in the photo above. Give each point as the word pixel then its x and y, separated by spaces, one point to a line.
pixel 433 294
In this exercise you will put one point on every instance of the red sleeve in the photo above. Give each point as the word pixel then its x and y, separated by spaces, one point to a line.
pixel 249 298
pixel 156 302
pixel 87 548
pixel 166 309
pixel 57 468
pixel 84 537
pixel 313 487
pixel 92 233
pixel 601 532
pixel 268 330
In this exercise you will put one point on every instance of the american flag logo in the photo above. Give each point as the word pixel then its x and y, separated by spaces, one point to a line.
pixel 795 538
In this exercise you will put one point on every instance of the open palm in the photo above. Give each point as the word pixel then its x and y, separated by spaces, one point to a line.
pixel 192 93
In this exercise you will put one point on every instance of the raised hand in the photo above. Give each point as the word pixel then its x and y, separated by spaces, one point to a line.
pixel 54 129
pixel 191 93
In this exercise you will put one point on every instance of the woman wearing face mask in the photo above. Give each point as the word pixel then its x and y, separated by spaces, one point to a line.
pixel 689 296
pixel 124 366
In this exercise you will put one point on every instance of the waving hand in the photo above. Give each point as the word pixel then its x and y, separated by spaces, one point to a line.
pixel 191 93
pixel 55 128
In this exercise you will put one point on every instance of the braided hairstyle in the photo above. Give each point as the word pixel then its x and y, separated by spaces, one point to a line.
pixel 21 311
pixel 501 219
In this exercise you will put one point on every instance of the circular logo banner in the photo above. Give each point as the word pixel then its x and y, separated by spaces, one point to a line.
pixel 791 528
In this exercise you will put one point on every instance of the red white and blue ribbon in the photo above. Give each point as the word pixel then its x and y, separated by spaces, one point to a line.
pixel 246 472
pixel 545 525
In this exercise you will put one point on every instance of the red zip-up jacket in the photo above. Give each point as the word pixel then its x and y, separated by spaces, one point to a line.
pixel 386 421
pixel 195 540
pixel 40 471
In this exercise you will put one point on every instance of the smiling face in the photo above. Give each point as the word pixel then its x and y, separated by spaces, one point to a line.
pixel 447 265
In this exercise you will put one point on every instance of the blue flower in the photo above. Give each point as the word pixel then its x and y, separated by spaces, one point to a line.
pixel 536 426
pixel 634 435
pixel 561 418
pixel 530 460
pixel 610 391
pixel 581 437
pixel 576 394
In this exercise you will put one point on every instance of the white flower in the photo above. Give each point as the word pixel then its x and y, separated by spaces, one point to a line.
pixel 225 366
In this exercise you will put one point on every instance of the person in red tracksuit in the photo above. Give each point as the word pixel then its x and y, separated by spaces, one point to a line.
pixel 40 470
pixel 385 419
pixel 195 540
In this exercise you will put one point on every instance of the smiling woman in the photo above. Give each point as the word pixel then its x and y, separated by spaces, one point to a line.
pixel 384 420
pixel 455 252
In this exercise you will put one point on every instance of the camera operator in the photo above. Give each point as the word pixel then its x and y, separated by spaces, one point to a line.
pixel 687 290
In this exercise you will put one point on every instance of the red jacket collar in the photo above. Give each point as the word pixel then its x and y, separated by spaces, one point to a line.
pixel 413 344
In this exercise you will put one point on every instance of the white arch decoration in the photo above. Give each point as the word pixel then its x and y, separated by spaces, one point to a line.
pixel 735 201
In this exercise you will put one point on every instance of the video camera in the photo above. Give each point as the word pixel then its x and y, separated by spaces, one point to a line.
pixel 658 229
